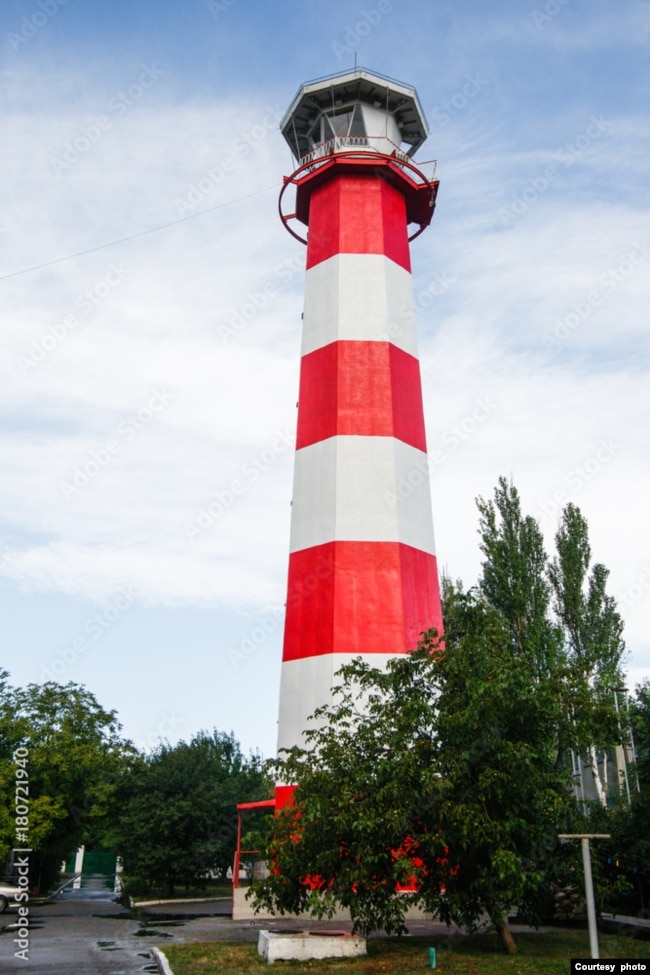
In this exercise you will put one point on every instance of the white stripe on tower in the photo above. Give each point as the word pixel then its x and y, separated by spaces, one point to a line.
pixel 359 297
pixel 362 570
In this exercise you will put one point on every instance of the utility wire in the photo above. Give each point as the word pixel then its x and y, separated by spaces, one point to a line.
pixel 141 233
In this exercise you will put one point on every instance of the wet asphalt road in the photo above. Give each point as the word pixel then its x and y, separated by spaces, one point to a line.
pixel 86 932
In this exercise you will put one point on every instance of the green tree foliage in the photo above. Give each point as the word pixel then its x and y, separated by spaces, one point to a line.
pixel 593 643
pixel 514 576
pixel 628 854
pixel 75 756
pixel 641 729
pixel 558 614
pixel 449 770
pixel 442 780
pixel 639 857
pixel 176 817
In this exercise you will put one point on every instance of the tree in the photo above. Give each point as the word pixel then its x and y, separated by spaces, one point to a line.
pixel 641 727
pixel 593 642
pixel 513 576
pixel 559 611
pixel 638 853
pixel 580 647
pixel 176 818
pixel 73 755
pixel 443 781
pixel 452 773
pixel 628 853
pixel 507 794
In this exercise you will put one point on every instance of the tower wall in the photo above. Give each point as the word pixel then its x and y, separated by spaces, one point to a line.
pixel 363 577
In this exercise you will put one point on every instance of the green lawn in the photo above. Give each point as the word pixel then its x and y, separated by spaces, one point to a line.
pixel 212 889
pixel 545 953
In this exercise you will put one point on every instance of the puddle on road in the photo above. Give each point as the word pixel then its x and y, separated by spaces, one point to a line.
pixel 152 967
pixel 108 946
pixel 145 917
pixel 124 916
pixel 113 946
pixel 12 925
pixel 150 924
pixel 154 922
pixel 148 921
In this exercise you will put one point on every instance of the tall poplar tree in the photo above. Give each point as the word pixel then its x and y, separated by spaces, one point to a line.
pixel 559 615
pixel 593 642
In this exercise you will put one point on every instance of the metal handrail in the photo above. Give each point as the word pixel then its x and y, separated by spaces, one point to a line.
pixel 71 880
pixel 312 166
pixel 341 142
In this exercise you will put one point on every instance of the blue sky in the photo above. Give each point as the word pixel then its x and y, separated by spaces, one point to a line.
pixel 148 387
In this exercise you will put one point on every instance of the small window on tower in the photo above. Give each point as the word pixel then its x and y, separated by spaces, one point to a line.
pixel 347 122
pixel 357 127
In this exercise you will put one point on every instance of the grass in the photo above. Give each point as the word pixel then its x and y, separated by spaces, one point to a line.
pixel 211 889
pixel 542 953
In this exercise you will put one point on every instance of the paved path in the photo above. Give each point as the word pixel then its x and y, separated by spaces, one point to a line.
pixel 82 932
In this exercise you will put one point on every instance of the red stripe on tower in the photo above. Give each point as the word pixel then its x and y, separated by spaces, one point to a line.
pixel 363 578
pixel 360 388
pixel 359 598
pixel 358 215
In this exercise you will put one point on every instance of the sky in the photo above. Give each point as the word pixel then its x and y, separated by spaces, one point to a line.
pixel 150 319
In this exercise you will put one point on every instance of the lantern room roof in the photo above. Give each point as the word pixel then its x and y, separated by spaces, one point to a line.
pixel 346 88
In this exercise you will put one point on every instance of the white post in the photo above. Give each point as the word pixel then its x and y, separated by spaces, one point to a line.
pixel 78 867
pixel 589 883
pixel 589 891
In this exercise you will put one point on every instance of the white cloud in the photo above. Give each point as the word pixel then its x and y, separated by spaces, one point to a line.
pixel 519 378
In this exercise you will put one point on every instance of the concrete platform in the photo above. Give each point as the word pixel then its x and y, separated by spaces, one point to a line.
pixel 288 945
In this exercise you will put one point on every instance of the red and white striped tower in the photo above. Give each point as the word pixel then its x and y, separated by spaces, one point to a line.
pixel 363 579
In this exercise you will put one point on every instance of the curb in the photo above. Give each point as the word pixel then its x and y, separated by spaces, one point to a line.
pixel 179 900
pixel 161 961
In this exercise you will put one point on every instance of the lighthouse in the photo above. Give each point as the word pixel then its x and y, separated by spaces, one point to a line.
pixel 362 577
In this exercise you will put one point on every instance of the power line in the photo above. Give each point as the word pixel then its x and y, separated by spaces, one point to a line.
pixel 141 233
